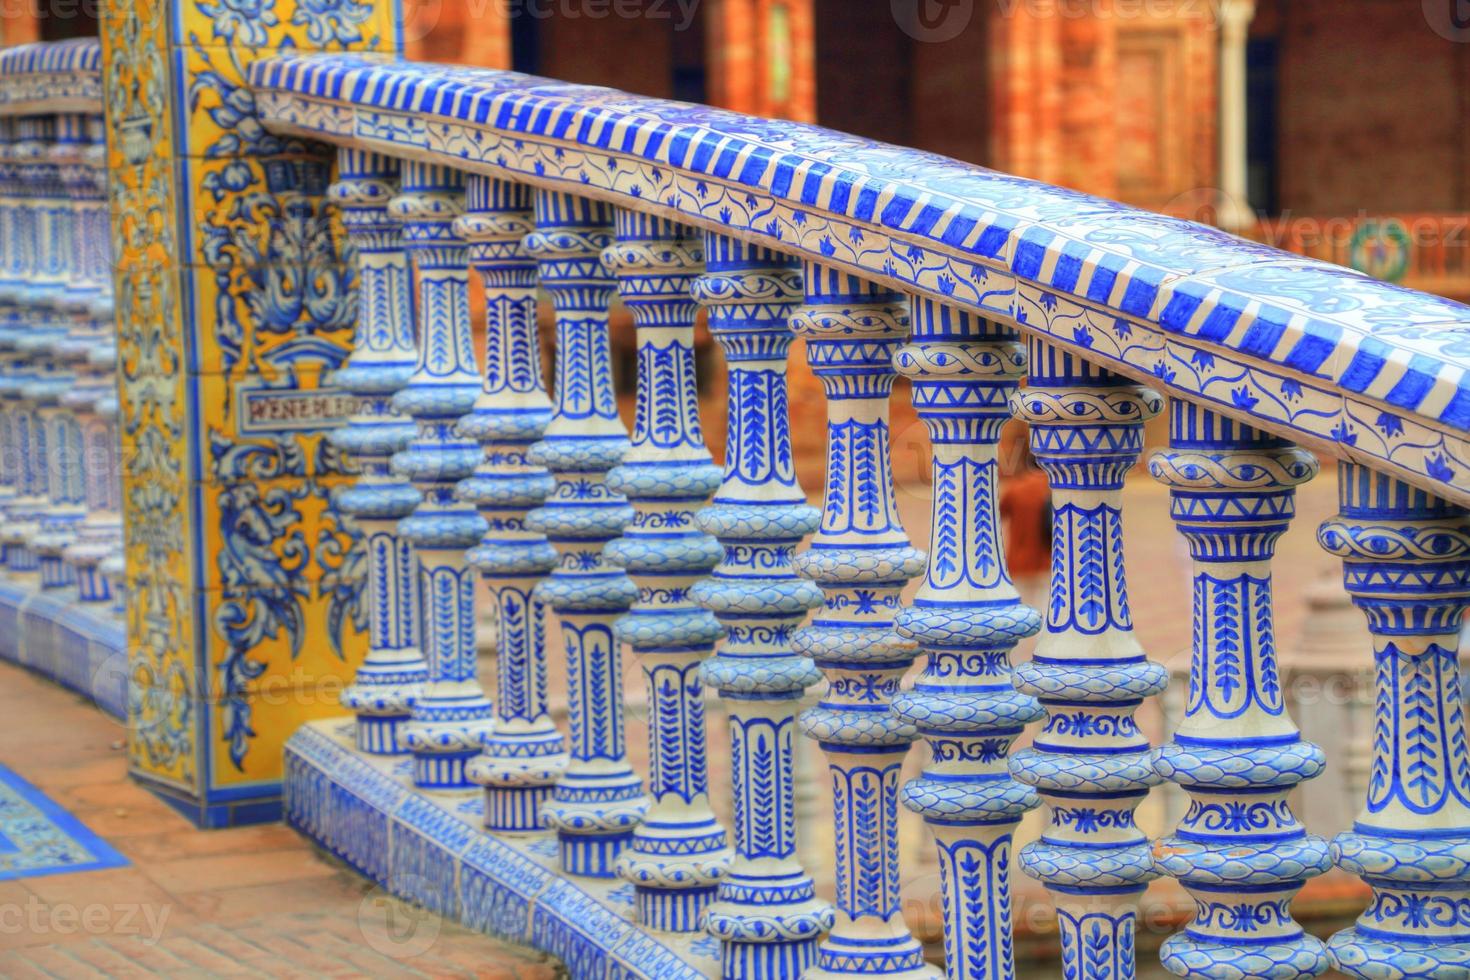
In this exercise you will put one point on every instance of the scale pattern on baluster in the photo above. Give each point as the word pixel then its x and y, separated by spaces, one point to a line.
pixel 1091 763
pixel 44 224
pixel 767 914
pixel 599 798
pixel 452 714
pixel 1239 850
pixel 966 617
pixel 391 677
pixel 90 346
pixel 525 754
pixel 67 335
pixel 1406 563
pixel 679 852
pixel 861 558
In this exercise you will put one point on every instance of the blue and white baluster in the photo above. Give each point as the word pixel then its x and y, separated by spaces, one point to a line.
pixel 1406 563
pixel 391 677
pixel 56 142
pixel 966 618
pixel 451 715
pixel 10 285
pixel 86 540
pixel 1091 764
pixel 599 798
pixel 861 558
pixel 1239 850
pixel 25 275
pixel 766 914
pixel 525 754
pixel 679 852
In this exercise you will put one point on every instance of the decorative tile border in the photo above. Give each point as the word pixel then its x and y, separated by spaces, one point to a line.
pixel 38 837
pixel 429 848
pixel 82 650
pixel 1394 360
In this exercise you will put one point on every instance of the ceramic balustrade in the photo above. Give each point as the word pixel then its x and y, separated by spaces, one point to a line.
pixel 598 799
pixel 525 754
pixel 61 529
pixel 392 676
pixel 466 470
pixel 451 714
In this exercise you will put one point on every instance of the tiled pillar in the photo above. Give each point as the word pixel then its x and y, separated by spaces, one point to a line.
pixel 525 754
pixel 767 915
pixel 1240 851
pixel 1406 563
pixel 1091 763
pixel 599 798
pixel 452 714
pixel 391 678
pixel 234 302
pixel 861 558
pixel 680 852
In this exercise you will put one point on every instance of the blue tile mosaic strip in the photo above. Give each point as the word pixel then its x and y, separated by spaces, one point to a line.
pixel 38 837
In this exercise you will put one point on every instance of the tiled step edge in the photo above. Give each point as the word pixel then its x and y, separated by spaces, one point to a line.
pixel 81 647
pixel 418 850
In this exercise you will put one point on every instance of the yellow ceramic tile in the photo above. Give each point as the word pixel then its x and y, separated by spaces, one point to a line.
pixel 257 211
pixel 143 230
pixel 274 421
pixel 275 533
pixel 308 25
pixel 163 723
pixel 239 758
pixel 297 634
pixel 219 114
pixel 304 314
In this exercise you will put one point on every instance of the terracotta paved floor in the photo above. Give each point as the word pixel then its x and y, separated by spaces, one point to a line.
pixel 254 901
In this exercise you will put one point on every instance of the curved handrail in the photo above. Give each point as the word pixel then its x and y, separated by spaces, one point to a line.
pixel 1350 366
pixel 51 76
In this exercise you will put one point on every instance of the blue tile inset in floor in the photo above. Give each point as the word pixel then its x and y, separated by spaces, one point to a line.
pixel 38 837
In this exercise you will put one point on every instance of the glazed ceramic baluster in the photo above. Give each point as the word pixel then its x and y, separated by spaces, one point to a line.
pixel 391 677
pixel 1091 764
pixel 1239 851
pixel 766 914
pixel 679 853
pixel 525 754
pixel 1406 563
pixel 85 541
pixel 52 222
pixel 599 799
pixel 67 309
pixel 452 714
pixel 966 617
pixel 24 274
pixel 861 557
pixel 10 366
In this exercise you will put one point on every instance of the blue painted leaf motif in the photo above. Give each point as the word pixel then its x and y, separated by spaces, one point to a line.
pixel 1228 652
